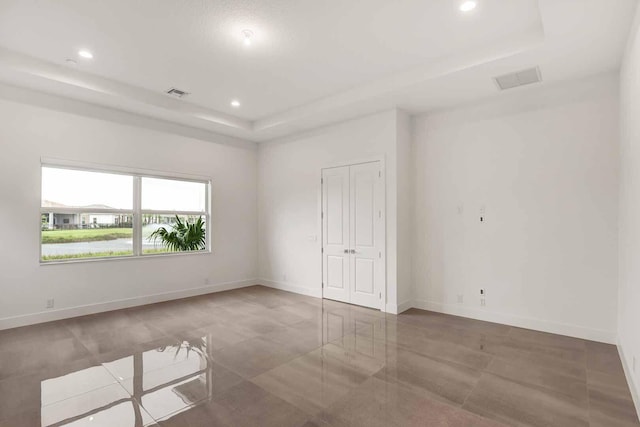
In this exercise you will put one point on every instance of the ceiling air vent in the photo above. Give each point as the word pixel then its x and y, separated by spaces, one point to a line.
pixel 177 92
pixel 520 78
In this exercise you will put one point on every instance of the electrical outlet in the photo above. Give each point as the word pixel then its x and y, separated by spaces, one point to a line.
pixel 50 303
pixel 460 298
pixel 483 302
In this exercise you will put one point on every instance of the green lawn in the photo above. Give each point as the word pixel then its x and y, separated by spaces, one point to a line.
pixel 86 235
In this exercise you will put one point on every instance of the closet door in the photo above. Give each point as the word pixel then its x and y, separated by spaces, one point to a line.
pixel 366 235
pixel 335 233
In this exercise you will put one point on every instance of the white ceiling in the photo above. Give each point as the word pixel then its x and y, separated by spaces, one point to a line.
pixel 310 63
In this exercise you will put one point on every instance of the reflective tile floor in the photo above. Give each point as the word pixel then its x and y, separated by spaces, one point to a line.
pixel 262 357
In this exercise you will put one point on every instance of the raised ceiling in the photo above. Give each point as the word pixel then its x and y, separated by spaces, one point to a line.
pixel 310 63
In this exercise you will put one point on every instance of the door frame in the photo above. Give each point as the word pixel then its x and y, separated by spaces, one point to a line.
pixel 383 170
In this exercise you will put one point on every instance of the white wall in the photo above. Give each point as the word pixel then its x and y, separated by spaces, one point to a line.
pixel 404 225
pixel 29 133
pixel 629 289
pixel 289 198
pixel 542 161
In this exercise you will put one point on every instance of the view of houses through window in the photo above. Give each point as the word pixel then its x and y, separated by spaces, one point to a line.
pixel 89 214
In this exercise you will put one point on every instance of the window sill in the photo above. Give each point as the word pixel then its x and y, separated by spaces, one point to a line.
pixel 126 257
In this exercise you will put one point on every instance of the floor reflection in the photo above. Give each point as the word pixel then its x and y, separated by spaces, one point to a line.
pixel 131 390
pixel 258 356
pixel 165 381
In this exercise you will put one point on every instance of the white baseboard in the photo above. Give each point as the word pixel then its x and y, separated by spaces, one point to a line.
pixel 65 313
pixel 397 309
pixel 521 322
pixel 317 293
pixel 630 380
pixel 405 306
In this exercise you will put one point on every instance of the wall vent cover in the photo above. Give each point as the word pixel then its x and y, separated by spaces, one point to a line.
pixel 519 78
pixel 177 92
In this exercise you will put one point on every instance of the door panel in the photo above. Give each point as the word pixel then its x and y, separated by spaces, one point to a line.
pixel 364 275
pixel 353 234
pixel 366 238
pixel 335 235
pixel 337 187
pixel 363 182
pixel 335 272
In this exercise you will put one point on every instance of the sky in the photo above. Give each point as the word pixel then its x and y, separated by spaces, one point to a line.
pixel 81 188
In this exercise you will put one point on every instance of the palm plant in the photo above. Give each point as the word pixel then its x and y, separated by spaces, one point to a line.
pixel 183 236
pixel 199 346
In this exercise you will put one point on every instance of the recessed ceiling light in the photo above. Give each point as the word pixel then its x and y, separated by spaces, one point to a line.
pixel 247 36
pixel 235 103
pixel 85 54
pixel 468 6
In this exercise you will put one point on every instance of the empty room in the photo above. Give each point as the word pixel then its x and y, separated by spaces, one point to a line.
pixel 333 213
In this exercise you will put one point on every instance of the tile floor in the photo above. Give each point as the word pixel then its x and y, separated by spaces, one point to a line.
pixel 258 356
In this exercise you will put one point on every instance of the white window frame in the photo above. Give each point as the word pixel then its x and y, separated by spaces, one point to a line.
pixel 136 212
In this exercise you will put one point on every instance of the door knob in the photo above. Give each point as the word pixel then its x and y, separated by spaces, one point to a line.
pixel 353 251
pixel 346 251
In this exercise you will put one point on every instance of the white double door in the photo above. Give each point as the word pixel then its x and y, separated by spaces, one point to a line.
pixel 353 236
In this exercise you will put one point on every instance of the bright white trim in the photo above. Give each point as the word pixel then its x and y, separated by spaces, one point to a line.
pixel 383 170
pixel 397 309
pixel 391 309
pixel 124 170
pixel 65 313
pixel 628 373
pixel 360 161
pixel 600 335
pixel 405 306
pixel 136 217
pixel 316 293
pixel 136 212
pixel 125 257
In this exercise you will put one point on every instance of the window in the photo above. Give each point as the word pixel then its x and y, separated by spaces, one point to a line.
pixel 102 214
pixel 166 204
